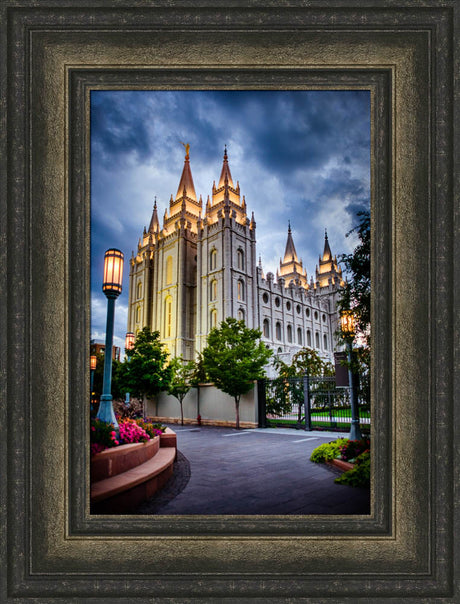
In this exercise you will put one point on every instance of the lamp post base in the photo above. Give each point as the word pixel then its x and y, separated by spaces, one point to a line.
pixel 355 431
pixel 106 413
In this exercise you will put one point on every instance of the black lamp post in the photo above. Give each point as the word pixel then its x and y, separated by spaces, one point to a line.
pixel 347 325
pixel 111 286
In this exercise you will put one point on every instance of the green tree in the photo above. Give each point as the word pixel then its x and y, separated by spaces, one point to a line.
pixel 181 381
pixel 356 294
pixel 146 371
pixel 234 358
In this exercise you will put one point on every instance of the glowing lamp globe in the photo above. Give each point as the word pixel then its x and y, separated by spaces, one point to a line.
pixel 347 323
pixel 113 273
pixel 129 340
pixel 92 362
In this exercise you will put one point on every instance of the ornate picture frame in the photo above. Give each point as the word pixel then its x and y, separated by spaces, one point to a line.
pixel 404 53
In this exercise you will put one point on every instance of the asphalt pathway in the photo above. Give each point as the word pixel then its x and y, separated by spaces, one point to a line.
pixel 261 471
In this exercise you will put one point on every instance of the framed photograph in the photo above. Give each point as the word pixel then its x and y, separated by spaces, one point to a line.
pixel 55 57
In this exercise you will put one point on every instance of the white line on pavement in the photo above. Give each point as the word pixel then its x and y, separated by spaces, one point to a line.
pixel 304 439
pixel 236 434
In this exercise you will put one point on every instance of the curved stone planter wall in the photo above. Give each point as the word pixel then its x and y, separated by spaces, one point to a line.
pixel 122 477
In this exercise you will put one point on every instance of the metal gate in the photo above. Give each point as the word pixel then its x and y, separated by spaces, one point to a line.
pixel 307 403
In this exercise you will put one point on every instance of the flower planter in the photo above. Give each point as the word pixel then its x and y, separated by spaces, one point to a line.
pixel 116 460
pixel 340 464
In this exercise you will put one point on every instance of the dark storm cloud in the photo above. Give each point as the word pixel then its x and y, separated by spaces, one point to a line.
pixel 299 155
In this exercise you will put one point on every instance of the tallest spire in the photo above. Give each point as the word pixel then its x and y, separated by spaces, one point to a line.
pixel 186 180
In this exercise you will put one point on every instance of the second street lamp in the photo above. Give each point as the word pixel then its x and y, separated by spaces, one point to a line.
pixel 92 366
pixel 129 343
pixel 111 286
pixel 347 325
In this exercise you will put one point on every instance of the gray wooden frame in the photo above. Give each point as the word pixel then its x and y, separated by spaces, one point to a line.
pixel 54 54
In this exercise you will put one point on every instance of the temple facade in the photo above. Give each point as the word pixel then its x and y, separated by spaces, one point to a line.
pixel 200 267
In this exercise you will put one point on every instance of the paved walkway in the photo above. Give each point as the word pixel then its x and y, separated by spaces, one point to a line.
pixel 261 471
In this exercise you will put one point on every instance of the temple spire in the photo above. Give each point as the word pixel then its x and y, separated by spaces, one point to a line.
pixel 154 222
pixel 327 255
pixel 186 180
pixel 290 253
pixel 225 175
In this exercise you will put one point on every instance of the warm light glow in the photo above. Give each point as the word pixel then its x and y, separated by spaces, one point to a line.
pixel 113 272
pixel 347 323
pixel 129 340
pixel 92 362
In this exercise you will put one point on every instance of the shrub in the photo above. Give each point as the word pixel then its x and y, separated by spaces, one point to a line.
pixel 352 448
pixel 327 450
pixel 360 475
pixel 102 436
pixel 131 432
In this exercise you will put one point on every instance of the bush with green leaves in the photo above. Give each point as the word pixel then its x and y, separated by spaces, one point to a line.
pixel 328 451
pixel 360 474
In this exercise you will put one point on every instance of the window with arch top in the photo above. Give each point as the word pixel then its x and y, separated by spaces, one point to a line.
pixel 213 292
pixel 213 318
pixel 266 328
pixel 213 259
pixel 139 290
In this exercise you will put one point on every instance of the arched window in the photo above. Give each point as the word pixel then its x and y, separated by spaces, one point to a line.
pixel 168 317
pixel 139 290
pixel 289 333
pixel 299 336
pixel 240 314
pixel 213 260
pixel 213 292
pixel 266 328
pixel 169 269
pixel 240 290
pixel 240 259
pixel 317 339
pixel 278 330
pixel 325 341
pixel 308 338
pixel 138 314
pixel 213 318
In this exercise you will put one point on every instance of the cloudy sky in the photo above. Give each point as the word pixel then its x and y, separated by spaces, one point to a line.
pixel 299 156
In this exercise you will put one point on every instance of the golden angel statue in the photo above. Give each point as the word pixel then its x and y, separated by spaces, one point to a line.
pixel 187 148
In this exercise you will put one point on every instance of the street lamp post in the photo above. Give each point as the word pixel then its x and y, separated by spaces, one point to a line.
pixel 347 324
pixel 129 343
pixel 111 286
pixel 92 365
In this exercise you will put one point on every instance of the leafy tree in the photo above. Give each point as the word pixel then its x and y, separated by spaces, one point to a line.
pixel 356 295
pixel 357 291
pixel 146 371
pixel 234 358
pixel 181 380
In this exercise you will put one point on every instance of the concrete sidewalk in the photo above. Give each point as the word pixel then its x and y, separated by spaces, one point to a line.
pixel 260 471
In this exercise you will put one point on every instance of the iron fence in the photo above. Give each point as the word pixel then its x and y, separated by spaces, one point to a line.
pixel 308 403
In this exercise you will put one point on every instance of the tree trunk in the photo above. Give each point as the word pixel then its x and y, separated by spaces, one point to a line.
pixel 144 405
pixel 237 410
pixel 181 412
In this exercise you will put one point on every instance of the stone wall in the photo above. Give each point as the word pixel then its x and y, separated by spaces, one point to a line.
pixel 214 406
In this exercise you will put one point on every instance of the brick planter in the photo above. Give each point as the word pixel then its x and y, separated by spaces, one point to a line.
pixel 116 460
pixel 124 476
